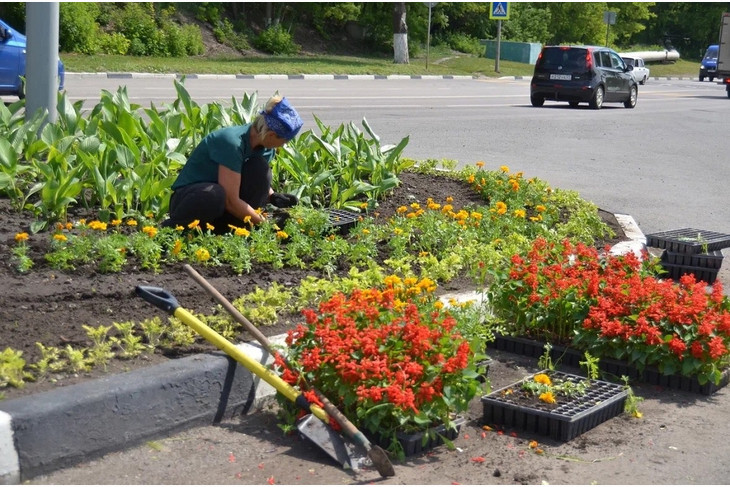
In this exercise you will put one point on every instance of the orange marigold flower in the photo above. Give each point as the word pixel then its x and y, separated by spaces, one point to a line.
pixel 504 168
pixel 194 224
pixel 542 379
pixel 480 164
pixel 150 231
pixel 548 397
pixel 60 237
pixel 132 222
pixel 21 237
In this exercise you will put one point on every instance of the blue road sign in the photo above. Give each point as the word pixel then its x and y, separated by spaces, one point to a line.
pixel 499 11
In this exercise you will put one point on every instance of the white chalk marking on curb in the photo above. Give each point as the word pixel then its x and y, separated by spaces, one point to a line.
pixel 264 391
pixel 9 463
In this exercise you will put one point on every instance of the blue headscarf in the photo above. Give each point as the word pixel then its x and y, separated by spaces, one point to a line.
pixel 283 120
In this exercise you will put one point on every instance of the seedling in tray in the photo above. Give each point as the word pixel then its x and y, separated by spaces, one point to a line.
pixel 342 220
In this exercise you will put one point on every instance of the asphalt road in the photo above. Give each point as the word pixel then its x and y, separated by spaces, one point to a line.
pixel 664 162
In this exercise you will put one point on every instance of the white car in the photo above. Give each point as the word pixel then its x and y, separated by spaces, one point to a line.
pixel 640 71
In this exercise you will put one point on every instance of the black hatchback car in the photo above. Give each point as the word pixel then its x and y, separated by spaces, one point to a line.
pixel 576 74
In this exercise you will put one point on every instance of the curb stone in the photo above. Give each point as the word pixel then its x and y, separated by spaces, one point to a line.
pixel 41 433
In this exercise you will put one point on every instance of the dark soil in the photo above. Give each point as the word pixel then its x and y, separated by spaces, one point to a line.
pixel 51 307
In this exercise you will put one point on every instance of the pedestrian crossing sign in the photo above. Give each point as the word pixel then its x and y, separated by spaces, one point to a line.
pixel 499 11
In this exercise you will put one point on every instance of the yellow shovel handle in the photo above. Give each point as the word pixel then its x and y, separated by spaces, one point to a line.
pixel 254 366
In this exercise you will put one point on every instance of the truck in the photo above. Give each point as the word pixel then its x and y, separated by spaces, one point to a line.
pixel 723 54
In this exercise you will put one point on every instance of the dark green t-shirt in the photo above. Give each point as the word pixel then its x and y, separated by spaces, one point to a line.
pixel 229 146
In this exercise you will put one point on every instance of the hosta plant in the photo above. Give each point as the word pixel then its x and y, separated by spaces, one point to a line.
pixel 391 360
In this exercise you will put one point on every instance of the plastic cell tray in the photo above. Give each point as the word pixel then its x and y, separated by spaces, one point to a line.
pixel 413 443
pixel 710 260
pixel 675 271
pixel 688 240
pixel 342 220
pixel 571 418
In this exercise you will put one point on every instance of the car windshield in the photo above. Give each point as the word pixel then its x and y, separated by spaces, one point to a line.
pixel 555 57
pixel 711 54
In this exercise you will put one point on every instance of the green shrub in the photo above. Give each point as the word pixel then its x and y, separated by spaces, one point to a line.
pixel 225 33
pixel 465 43
pixel 77 27
pixel 137 22
pixel 276 40
pixel 193 40
pixel 114 43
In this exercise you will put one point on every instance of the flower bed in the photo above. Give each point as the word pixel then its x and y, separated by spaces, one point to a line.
pixel 558 416
pixel 615 308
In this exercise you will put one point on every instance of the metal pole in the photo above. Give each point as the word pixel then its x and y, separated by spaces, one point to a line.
pixel 41 73
pixel 499 42
pixel 428 36
pixel 608 28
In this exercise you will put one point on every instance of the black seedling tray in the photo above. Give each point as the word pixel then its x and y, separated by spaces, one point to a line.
pixel 701 273
pixel 710 260
pixel 342 220
pixel 420 442
pixel 688 240
pixel 571 418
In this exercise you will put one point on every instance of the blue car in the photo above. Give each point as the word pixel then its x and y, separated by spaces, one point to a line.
pixel 12 62
pixel 708 67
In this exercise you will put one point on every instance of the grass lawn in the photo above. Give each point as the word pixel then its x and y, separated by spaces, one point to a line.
pixel 439 61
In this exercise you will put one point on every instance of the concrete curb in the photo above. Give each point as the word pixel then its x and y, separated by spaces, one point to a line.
pixel 60 428
pixel 262 76
pixel 317 76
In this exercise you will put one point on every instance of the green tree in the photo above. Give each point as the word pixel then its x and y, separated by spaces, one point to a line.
pixel 631 19
pixel 579 23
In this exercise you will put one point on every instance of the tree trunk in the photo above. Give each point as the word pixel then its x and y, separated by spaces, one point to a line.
pixel 400 34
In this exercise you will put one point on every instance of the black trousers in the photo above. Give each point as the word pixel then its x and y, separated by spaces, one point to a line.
pixel 206 202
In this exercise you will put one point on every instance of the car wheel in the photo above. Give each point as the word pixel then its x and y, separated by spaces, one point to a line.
pixel 711 78
pixel 573 104
pixel 702 78
pixel 642 81
pixel 537 101
pixel 633 95
pixel 597 101
pixel 21 88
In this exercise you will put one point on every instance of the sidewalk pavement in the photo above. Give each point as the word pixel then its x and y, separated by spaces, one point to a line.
pixel 60 428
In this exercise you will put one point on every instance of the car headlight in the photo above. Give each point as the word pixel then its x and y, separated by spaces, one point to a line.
pixel 702 66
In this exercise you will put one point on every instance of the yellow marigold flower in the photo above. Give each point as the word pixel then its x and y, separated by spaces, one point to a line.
pixel 470 179
pixel 281 234
pixel 209 227
pixel 415 206
pixel 116 222
pixel 82 221
pixel 540 208
pixel 480 163
pixel 476 215
pixel 21 237
pixel 519 176
pixel 542 379
pixel 401 209
pixel 331 237
pixel 537 218
pixel 194 224
pixel 501 208
pixel 423 253
pixel 150 231
pixel 150 215
pixel 520 213
pixel 179 228
pixel 177 247
pixel 202 255
pixel 433 206
pixel 365 231
pixel 391 280
pixel 242 232
pixel 364 205
pixel 247 219
pixel 449 199
pixel 515 185
pixel 438 304
pixel 398 231
pixel 504 168
pixel 60 237
pixel 548 397
pixel 132 222
pixel 411 215
pixel 97 225
pixel 447 208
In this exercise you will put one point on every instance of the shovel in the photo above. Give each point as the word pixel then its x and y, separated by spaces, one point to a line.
pixel 320 433
pixel 375 453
